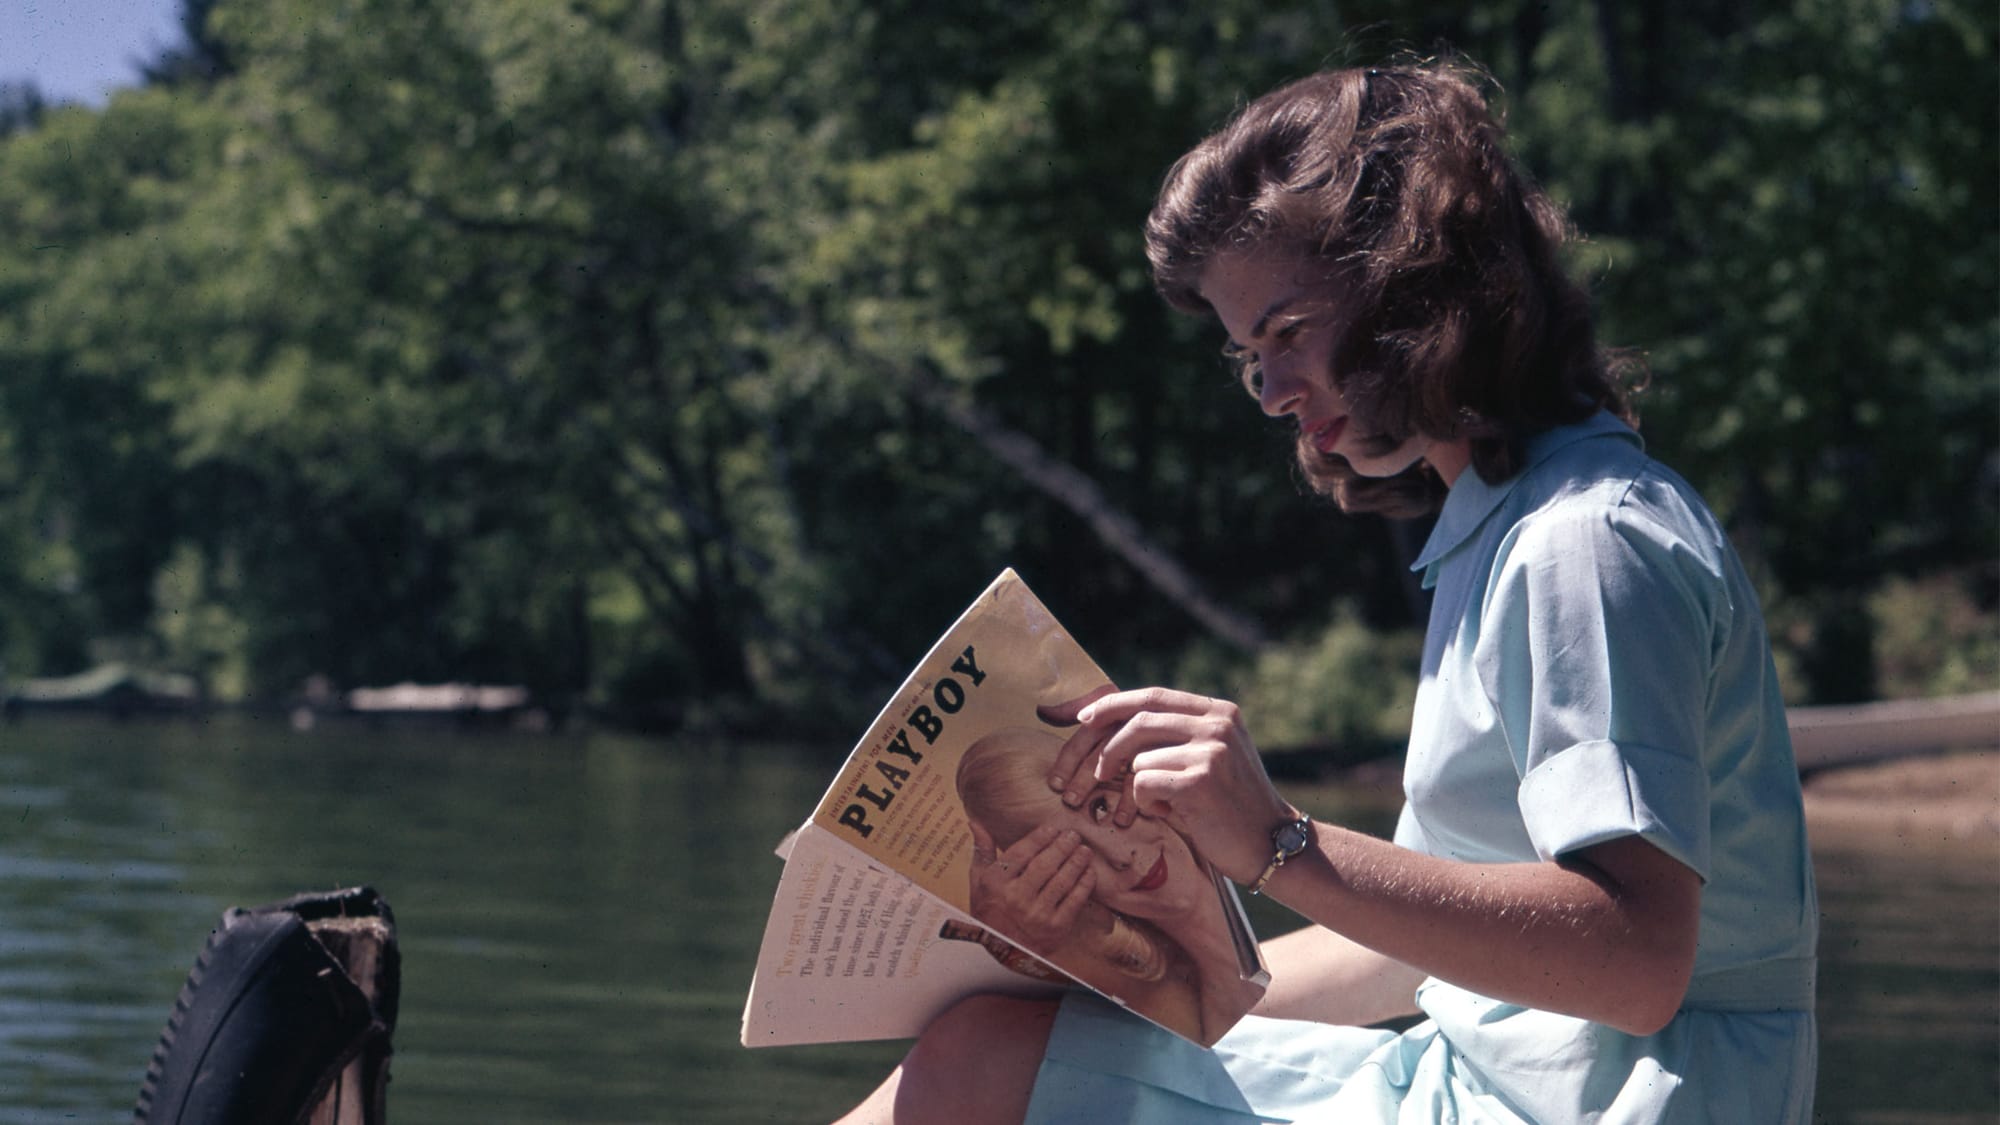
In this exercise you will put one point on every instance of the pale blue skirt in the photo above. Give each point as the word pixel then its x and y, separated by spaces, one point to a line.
pixel 1105 1066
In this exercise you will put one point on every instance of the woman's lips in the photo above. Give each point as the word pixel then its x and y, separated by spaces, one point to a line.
pixel 1326 435
pixel 1156 878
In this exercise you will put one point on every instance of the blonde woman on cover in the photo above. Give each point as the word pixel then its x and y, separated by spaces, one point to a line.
pixel 1129 909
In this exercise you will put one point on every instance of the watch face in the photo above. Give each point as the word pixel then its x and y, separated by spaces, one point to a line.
pixel 1290 838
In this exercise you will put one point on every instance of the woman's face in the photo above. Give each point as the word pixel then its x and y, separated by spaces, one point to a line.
pixel 1147 870
pixel 1282 317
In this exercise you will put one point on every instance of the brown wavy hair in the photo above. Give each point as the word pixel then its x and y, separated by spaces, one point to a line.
pixel 1444 257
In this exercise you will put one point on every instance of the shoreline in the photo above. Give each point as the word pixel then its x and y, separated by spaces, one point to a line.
pixel 1942 805
pixel 1939 805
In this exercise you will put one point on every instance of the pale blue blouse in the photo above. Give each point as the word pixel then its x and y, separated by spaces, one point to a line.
pixel 1596 666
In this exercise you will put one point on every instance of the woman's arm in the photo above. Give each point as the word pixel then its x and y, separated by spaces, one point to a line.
pixel 1318 975
pixel 1607 934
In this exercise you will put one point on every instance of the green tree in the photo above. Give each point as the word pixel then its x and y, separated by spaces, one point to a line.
pixel 94 499
pixel 1798 199
pixel 988 253
pixel 700 359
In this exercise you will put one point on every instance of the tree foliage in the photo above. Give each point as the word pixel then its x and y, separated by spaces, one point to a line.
pixel 656 354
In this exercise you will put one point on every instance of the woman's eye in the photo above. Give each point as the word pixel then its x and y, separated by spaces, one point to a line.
pixel 1099 808
pixel 1248 371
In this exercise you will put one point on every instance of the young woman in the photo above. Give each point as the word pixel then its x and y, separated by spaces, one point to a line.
pixel 1599 893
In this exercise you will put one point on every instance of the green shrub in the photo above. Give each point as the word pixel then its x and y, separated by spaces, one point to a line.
pixel 1349 689
pixel 1933 637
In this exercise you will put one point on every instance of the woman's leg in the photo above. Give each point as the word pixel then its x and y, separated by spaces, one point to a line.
pixel 973 1065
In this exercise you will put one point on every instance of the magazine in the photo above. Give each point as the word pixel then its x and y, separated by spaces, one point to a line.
pixel 873 933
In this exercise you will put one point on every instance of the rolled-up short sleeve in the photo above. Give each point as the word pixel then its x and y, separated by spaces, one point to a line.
pixel 1598 791
pixel 1597 653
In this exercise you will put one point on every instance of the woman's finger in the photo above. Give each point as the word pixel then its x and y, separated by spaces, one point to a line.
pixel 1041 853
pixel 1062 875
pixel 1148 730
pixel 1122 706
pixel 982 844
pixel 1051 918
pixel 1100 717
pixel 1064 714
pixel 1071 904
pixel 1161 778
pixel 1015 859
pixel 1074 762
pixel 1111 714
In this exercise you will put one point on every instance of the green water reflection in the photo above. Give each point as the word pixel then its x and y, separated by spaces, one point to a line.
pixel 578 916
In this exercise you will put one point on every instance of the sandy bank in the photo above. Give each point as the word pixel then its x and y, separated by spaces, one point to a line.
pixel 1927 803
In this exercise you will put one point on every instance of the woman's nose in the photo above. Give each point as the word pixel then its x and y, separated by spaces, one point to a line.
pixel 1281 393
pixel 1114 851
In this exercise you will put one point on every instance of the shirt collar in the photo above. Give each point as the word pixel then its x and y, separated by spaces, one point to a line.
pixel 1471 499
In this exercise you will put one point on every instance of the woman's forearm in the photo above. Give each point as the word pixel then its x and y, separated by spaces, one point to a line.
pixel 1607 936
pixel 1317 974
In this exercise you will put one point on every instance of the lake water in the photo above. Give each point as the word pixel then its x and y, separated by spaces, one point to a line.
pixel 578 915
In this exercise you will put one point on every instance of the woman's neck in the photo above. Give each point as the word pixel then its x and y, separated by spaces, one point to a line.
pixel 1449 459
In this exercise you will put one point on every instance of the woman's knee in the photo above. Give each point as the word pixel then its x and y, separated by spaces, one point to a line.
pixel 977 1061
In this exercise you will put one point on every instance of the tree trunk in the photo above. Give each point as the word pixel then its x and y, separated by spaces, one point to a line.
pixel 1080 494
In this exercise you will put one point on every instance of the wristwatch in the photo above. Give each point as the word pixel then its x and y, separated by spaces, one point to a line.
pixel 1287 840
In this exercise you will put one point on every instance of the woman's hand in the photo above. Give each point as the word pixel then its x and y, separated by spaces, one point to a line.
pixel 1182 758
pixel 1606 934
pixel 1034 890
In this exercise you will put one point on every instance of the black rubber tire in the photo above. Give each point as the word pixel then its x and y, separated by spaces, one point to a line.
pixel 262 1027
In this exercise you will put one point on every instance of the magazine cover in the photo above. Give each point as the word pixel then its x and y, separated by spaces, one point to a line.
pixel 874 928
